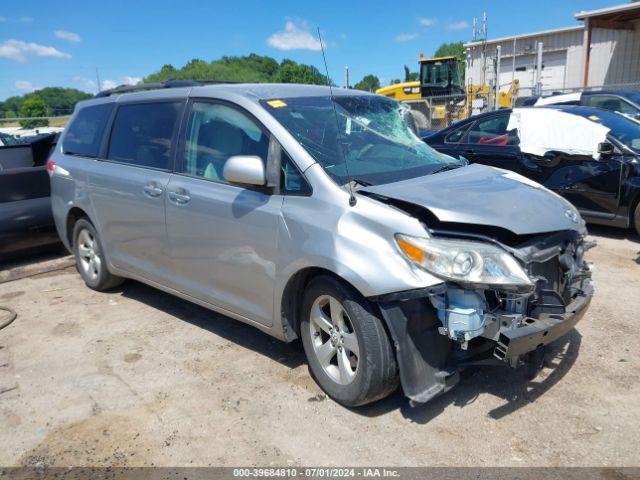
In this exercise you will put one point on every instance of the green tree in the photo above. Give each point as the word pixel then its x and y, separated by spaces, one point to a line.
pixel 59 101
pixel 370 83
pixel 10 114
pixel 34 107
pixel 410 76
pixel 292 72
pixel 454 49
pixel 248 68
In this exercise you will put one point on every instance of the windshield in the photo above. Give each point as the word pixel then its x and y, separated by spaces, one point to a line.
pixel 634 97
pixel 375 136
pixel 622 128
pixel 440 73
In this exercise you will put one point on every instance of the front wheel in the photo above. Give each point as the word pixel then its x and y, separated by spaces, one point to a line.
pixel 90 259
pixel 347 347
pixel 636 219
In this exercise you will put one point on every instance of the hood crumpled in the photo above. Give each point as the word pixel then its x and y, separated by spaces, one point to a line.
pixel 482 195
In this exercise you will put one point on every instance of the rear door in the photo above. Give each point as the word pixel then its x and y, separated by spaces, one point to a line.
pixel 128 188
pixel 222 237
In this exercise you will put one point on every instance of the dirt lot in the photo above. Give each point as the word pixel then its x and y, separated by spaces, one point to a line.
pixel 138 377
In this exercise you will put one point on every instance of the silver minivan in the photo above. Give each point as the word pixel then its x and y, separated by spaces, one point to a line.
pixel 320 215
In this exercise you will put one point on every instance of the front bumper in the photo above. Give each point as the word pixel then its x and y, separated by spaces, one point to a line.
pixel 547 328
pixel 426 359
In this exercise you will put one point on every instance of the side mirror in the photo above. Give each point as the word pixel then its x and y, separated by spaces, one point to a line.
pixel 245 170
pixel 606 148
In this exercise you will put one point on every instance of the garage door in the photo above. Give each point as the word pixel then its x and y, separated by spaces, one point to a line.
pixel 554 65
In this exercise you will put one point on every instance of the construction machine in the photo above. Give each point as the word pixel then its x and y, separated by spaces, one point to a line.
pixel 440 97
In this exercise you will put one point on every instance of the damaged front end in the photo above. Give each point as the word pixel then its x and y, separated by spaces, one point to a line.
pixel 440 330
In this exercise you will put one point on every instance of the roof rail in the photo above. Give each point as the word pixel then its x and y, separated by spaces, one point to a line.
pixel 156 85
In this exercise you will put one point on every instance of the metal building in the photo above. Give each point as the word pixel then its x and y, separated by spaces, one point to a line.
pixel 603 50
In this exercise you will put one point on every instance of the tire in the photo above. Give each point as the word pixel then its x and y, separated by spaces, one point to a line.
pixel 636 219
pixel 347 347
pixel 90 260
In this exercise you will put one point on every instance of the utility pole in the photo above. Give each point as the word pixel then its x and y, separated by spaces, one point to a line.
pixel 346 77
pixel 497 80
pixel 538 86
pixel 513 62
pixel 98 79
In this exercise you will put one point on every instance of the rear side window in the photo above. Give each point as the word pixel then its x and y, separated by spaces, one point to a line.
pixel 84 135
pixel 142 134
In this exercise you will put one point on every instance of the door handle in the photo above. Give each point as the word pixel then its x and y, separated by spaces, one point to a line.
pixel 152 190
pixel 469 151
pixel 180 196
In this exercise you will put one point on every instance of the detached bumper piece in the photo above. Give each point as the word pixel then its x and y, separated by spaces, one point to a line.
pixel 543 330
pixel 421 352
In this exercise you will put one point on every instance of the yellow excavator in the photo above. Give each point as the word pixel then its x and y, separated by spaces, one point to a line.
pixel 439 97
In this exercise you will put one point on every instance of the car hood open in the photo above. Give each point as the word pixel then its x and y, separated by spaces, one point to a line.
pixel 481 195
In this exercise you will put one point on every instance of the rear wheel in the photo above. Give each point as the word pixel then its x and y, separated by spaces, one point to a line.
pixel 90 259
pixel 636 219
pixel 347 347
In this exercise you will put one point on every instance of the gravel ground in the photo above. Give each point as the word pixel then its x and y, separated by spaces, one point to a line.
pixel 138 377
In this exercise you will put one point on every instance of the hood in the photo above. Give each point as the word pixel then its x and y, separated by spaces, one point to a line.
pixel 481 195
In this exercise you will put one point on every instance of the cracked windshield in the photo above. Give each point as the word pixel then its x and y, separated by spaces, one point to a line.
pixel 369 139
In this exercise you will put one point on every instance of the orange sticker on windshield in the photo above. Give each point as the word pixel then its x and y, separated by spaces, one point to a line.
pixel 277 103
pixel 594 118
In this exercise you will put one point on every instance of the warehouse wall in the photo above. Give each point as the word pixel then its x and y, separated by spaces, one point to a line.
pixel 562 61
pixel 615 56
pixel 615 59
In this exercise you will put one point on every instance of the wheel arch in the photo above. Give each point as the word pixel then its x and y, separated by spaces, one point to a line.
pixel 73 215
pixel 291 299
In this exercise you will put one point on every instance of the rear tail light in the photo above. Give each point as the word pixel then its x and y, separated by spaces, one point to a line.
pixel 51 166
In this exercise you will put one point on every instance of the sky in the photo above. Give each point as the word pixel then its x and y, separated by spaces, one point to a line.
pixel 46 43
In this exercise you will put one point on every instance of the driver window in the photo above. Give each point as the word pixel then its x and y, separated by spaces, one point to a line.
pixel 493 131
pixel 216 132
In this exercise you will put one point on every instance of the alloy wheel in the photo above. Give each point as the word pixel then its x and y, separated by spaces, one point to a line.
pixel 333 339
pixel 90 261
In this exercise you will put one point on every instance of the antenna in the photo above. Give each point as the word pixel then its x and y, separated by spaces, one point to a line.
pixel 352 197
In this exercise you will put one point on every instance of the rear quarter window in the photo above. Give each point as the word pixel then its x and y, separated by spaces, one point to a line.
pixel 142 134
pixel 85 132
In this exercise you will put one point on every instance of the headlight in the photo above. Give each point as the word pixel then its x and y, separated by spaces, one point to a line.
pixel 463 261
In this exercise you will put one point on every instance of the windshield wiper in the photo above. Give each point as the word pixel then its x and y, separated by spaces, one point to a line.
pixel 449 166
pixel 360 182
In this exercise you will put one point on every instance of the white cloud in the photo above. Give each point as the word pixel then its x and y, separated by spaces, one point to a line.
pixel 458 25
pixel 68 36
pixel 294 37
pixel 85 82
pixel 19 51
pixel 26 86
pixel 127 80
pixel 406 37
pixel 106 84
pixel 426 22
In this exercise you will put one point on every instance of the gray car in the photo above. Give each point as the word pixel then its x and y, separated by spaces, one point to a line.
pixel 321 216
